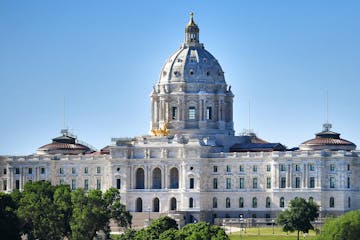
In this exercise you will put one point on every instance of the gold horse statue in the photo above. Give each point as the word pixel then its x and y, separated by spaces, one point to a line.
pixel 164 131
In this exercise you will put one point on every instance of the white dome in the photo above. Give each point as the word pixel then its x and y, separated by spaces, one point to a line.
pixel 192 64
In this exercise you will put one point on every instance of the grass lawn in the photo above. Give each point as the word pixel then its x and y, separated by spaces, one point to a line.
pixel 267 234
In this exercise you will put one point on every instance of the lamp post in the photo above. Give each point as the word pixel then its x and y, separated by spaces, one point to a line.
pixel 273 221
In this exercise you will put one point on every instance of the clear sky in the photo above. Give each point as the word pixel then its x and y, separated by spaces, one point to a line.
pixel 103 57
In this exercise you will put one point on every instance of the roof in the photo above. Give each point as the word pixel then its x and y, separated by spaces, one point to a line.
pixel 255 144
pixel 257 147
pixel 65 144
pixel 327 140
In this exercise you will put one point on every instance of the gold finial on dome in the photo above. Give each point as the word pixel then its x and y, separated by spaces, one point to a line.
pixel 191 22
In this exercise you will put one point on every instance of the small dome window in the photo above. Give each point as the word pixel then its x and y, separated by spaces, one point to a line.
pixel 208 73
pixel 176 73
pixel 164 73
pixel 205 60
pixel 191 72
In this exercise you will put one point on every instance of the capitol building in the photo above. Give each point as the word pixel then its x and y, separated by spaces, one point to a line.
pixel 191 165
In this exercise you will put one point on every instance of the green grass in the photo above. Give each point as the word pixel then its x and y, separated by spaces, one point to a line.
pixel 267 234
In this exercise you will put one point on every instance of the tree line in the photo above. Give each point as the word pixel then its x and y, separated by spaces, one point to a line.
pixel 42 211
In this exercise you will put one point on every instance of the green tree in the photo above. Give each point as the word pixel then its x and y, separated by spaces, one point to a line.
pixel 344 227
pixel 298 216
pixel 89 214
pixel 62 201
pixel 157 227
pixel 39 216
pixel 203 231
pixel 117 210
pixel 9 223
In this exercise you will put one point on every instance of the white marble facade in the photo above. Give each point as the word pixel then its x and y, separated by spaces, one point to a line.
pixel 191 171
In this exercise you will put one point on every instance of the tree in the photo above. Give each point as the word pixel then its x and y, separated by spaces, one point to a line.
pixel 344 227
pixel 157 227
pixel 40 217
pixel 89 214
pixel 62 201
pixel 299 216
pixel 117 210
pixel 203 231
pixel 9 223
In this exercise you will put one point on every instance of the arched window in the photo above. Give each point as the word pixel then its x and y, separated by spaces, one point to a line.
pixel 156 205
pixel 241 202
pixel 282 202
pixel 228 204
pixel 174 178
pixel 140 178
pixel 139 207
pixel 214 202
pixel 156 178
pixel 332 202
pixel 254 202
pixel 191 202
pixel 268 202
pixel 173 204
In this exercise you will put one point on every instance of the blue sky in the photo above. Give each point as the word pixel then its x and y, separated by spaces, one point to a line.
pixel 103 57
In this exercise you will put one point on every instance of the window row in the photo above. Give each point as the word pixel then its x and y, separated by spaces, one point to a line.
pixel 156 179
pixel 74 170
pixel 156 205
pixel 228 168
pixel 242 183
pixel 74 184
pixel 29 170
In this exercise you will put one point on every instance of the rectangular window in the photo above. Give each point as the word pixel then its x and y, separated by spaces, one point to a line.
pixel 332 182
pixel 268 182
pixel 241 168
pixel 255 168
pixel 73 184
pixel 98 184
pixel 4 171
pixel 282 167
pixel 86 170
pixel 174 113
pixel 98 170
pixel 348 167
pixel 228 168
pixel 192 113
pixel 191 183
pixel 297 167
pixel 42 170
pixel 61 170
pixel 5 185
pixel 242 183
pixel 86 184
pixel 255 183
pixel 17 184
pixel 228 183
pixel 348 182
pixel 268 168
pixel 30 170
pixel 282 182
pixel 312 167
pixel 61 181
pixel 215 169
pixel 312 182
pixel 208 113
pixel 332 167
pixel 118 183
pixel 297 182
pixel 17 170
pixel 73 170
pixel 215 183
